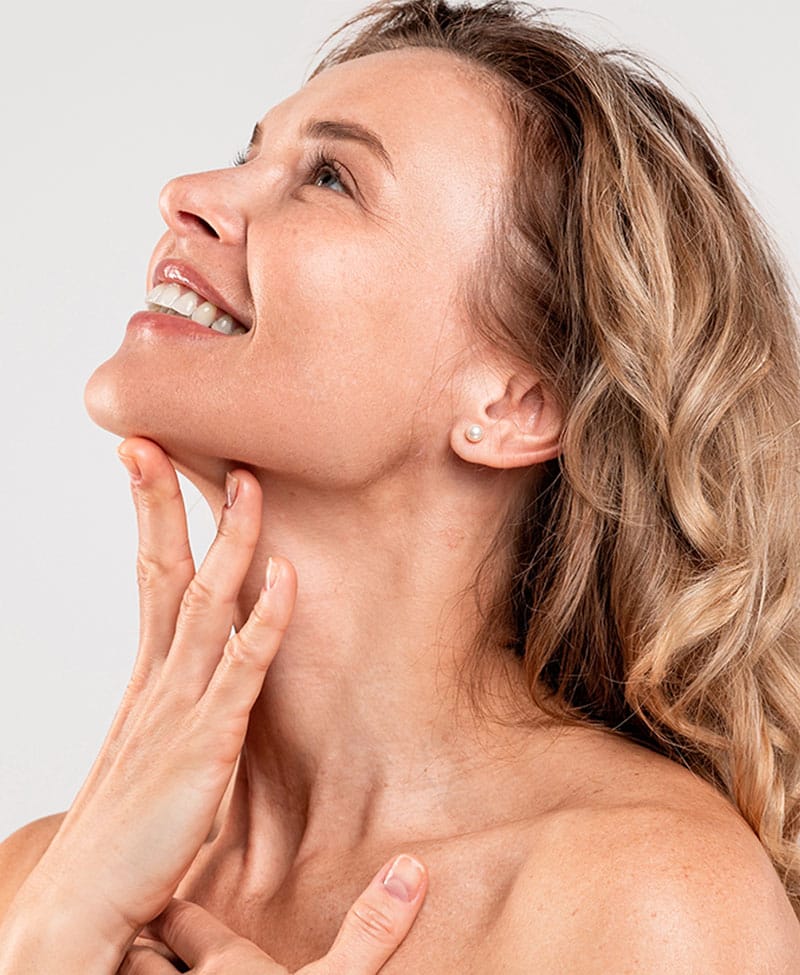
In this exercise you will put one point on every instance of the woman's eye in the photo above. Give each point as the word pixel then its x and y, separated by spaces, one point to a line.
pixel 319 168
pixel 327 171
pixel 323 167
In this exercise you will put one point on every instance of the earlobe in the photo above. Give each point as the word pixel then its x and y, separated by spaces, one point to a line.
pixel 522 428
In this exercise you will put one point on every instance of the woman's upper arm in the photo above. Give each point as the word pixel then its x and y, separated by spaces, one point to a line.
pixel 20 853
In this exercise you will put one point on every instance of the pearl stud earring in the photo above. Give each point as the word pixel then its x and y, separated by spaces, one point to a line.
pixel 474 433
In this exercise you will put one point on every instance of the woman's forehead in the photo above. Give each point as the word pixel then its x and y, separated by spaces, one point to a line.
pixel 416 100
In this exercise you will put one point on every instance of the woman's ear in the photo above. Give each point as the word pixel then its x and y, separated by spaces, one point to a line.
pixel 520 419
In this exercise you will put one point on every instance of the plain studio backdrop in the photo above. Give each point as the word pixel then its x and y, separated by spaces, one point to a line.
pixel 101 105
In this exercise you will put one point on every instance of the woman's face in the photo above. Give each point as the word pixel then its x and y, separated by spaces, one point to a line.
pixel 346 283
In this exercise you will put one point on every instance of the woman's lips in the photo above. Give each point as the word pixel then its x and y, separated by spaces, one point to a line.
pixel 156 324
pixel 174 299
pixel 175 271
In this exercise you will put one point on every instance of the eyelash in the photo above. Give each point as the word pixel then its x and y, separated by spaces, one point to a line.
pixel 321 161
pixel 312 169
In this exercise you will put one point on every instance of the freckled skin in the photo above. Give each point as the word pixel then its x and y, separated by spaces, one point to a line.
pixel 348 401
pixel 355 333
pixel 548 850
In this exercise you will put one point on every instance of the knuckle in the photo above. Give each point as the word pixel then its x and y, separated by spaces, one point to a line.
pixel 264 616
pixel 177 922
pixel 234 530
pixel 374 924
pixel 239 649
pixel 228 526
pixel 159 494
pixel 239 530
pixel 198 598
pixel 152 570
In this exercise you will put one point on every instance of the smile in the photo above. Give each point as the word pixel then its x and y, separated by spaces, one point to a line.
pixel 173 299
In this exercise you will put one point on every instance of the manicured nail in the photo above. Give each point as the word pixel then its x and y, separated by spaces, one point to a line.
pixel 273 571
pixel 231 489
pixel 404 878
pixel 133 467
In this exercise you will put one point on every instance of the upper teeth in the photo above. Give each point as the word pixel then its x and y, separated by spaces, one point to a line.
pixel 177 300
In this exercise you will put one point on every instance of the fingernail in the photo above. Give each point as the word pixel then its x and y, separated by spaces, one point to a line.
pixel 404 878
pixel 231 489
pixel 273 571
pixel 133 467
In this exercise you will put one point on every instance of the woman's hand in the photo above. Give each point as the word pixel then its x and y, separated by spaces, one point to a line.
pixel 151 797
pixel 371 932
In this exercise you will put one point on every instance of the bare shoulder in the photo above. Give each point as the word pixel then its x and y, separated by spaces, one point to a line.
pixel 653 872
pixel 20 853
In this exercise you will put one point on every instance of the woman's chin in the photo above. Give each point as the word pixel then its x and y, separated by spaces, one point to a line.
pixel 116 406
pixel 122 407
pixel 127 411
pixel 104 403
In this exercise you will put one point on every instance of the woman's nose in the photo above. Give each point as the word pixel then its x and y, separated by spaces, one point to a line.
pixel 203 205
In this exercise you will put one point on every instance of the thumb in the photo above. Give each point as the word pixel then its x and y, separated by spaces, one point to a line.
pixel 378 922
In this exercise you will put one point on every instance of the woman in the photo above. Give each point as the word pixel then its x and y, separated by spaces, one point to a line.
pixel 513 580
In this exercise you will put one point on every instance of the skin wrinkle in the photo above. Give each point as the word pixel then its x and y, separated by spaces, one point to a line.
pixel 349 400
pixel 388 321
pixel 320 129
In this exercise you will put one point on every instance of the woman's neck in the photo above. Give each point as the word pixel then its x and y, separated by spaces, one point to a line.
pixel 360 730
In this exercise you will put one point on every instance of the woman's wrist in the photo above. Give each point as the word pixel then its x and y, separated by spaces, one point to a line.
pixel 48 928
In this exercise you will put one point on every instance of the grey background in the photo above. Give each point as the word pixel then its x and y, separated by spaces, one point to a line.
pixel 100 106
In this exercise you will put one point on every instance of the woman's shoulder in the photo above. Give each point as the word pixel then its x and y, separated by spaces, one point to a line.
pixel 646 868
pixel 21 851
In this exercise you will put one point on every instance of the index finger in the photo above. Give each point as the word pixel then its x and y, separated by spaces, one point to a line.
pixel 378 921
pixel 164 562
pixel 195 935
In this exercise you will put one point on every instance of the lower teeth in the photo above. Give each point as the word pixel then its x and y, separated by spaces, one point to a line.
pixel 163 310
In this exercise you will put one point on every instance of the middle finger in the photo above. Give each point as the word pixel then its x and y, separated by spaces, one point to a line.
pixel 208 605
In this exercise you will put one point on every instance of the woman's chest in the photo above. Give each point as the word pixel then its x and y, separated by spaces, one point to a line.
pixel 469 880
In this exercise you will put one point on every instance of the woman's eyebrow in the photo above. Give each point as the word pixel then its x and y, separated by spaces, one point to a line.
pixel 338 130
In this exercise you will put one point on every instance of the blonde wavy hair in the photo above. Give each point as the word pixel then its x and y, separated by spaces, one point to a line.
pixel 653 574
